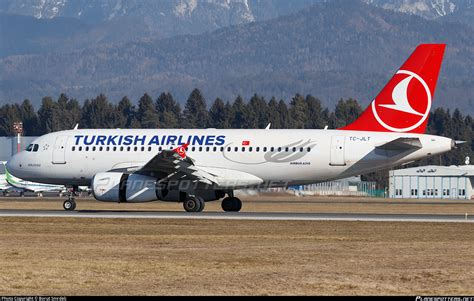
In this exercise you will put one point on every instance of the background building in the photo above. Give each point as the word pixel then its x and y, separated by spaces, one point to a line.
pixel 446 182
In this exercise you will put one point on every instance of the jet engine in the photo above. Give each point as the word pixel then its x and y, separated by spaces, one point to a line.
pixel 136 188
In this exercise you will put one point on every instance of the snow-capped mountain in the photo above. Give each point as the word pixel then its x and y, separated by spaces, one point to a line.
pixel 430 9
pixel 237 11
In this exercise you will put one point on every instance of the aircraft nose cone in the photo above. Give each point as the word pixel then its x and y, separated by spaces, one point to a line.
pixel 14 165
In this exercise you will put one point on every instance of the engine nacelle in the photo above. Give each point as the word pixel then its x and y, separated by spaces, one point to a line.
pixel 120 187
pixel 136 188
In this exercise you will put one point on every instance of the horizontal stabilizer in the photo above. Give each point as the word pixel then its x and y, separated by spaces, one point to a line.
pixel 401 144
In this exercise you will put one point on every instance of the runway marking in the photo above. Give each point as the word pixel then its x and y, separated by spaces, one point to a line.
pixel 272 216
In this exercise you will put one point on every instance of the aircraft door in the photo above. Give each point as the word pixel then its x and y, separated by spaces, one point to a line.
pixel 59 150
pixel 337 151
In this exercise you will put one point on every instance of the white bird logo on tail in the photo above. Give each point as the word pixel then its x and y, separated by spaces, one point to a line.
pixel 400 98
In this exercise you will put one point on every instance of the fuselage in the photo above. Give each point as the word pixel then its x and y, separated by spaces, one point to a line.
pixel 278 157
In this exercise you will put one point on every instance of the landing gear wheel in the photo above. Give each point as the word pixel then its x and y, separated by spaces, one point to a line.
pixel 194 204
pixel 231 204
pixel 69 205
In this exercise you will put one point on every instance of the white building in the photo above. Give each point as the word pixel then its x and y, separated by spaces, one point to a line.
pixel 446 182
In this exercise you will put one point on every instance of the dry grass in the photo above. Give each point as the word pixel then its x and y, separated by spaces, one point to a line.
pixel 185 257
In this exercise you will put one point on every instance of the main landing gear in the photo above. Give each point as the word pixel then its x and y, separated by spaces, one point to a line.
pixel 231 204
pixel 70 203
pixel 194 204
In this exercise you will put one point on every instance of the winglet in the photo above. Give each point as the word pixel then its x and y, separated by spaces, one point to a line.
pixel 268 126
pixel 181 150
pixel 76 126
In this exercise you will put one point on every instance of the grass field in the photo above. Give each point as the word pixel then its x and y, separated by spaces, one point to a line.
pixel 53 256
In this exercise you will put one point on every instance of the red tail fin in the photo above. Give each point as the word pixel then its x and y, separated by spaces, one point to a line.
pixel 404 103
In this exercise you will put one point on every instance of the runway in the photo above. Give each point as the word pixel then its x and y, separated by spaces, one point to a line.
pixel 270 216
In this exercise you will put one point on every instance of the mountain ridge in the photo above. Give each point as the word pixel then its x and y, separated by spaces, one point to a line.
pixel 329 50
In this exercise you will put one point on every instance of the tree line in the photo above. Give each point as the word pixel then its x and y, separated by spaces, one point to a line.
pixel 302 112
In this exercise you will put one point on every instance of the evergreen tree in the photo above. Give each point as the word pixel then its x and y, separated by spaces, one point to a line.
pixel 127 114
pixel 316 117
pixel 218 115
pixel 238 114
pixel 169 111
pixel 69 110
pixel 258 112
pixel 29 118
pixel 346 112
pixel 8 115
pixel 99 113
pixel 298 112
pixel 147 115
pixel 195 112
pixel 273 114
pixel 285 121
pixel 49 116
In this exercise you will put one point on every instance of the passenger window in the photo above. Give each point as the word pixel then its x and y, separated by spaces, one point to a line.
pixel 243 149
pixel 272 149
pixel 93 148
pixel 265 149
pixel 287 149
pixel 80 148
pixel 101 148
pixel 121 148
pixel 143 148
pixel 236 149
pixel 193 148
pixel 229 149
pixel 279 149
pixel 160 148
pixel 207 148
pixel 222 148
pixel 108 148
pixel 73 148
pixel 200 148
pixel 301 149
pixel 294 149
pixel 309 149
pixel 149 148
pixel 87 148
pixel 250 149
pixel 214 149
pixel 257 149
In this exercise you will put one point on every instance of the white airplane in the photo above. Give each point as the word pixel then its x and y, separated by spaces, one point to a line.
pixel 17 184
pixel 4 186
pixel 194 166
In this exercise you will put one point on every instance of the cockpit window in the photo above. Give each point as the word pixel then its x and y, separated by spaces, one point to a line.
pixel 32 148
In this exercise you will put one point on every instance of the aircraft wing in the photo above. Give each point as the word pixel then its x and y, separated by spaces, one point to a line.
pixel 401 144
pixel 175 165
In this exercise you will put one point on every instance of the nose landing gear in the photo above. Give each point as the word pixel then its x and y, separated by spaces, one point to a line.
pixel 70 203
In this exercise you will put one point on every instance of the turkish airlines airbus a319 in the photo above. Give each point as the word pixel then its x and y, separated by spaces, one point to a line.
pixel 194 166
